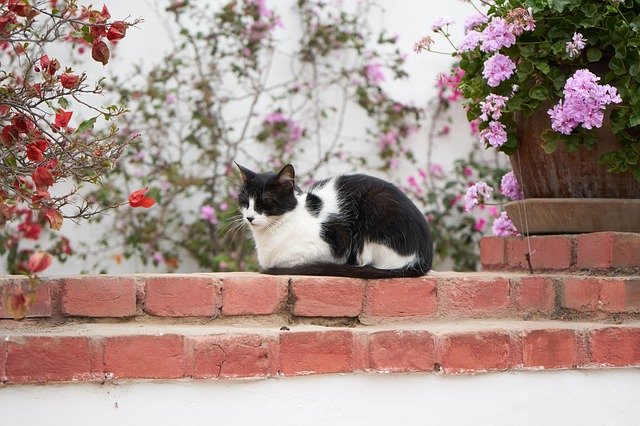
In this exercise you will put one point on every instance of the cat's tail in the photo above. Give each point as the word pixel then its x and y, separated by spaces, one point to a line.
pixel 351 271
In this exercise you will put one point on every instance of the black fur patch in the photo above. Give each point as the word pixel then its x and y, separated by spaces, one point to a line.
pixel 313 204
pixel 272 196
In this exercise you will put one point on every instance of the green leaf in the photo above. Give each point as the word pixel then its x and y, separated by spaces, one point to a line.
pixel 594 54
pixel 550 141
pixel 539 92
pixel 559 5
pixel 87 125
pixel 63 102
pixel 590 10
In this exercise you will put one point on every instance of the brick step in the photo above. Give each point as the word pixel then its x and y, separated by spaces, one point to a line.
pixel 601 252
pixel 33 353
pixel 222 297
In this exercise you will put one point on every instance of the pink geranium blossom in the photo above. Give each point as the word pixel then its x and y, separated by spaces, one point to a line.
pixel 503 226
pixel 495 135
pixel 476 194
pixel 497 69
pixel 510 187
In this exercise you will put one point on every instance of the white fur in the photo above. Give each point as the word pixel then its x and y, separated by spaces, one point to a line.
pixel 383 257
pixel 294 238
pixel 291 239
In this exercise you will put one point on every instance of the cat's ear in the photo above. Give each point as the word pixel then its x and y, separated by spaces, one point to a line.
pixel 287 177
pixel 247 174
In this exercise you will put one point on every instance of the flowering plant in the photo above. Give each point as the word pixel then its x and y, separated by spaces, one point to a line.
pixel 578 59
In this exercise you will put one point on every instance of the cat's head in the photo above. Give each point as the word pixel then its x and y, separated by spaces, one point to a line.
pixel 264 197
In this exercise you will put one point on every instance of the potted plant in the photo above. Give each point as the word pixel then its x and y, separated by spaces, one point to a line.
pixel 555 84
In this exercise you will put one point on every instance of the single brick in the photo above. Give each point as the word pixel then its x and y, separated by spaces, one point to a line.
pixel 253 294
pixel 547 252
pixel 550 349
pixel 469 297
pixel 46 359
pixel 41 305
pixel 535 294
pixel 182 296
pixel 581 294
pixel 99 296
pixel 231 356
pixel 616 346
pixel 595 250
pixel 475 352
pixel 400 297
pixel 327 297
pixel 144 357
pixel 612 296
pixel 317 352
pixel 492 252
pixel 402 351
pixel 603 250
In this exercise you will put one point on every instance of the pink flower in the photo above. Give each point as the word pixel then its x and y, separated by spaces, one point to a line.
pixel 275 118
pixel 474 21
pixel 576 45
pixel 510 187
pixel 476 194
pixel 441 22
pixel 436 170
pixel 423 44
pixel 474 127
pixel 503 226
pixel 492 107
pixel 496 35
pixel 388 139
pixel 470 41
pixel 480 224
pixel 374 73
pixel 224 206
pixel 585 102
pixel 495 135
pixel 208 213
pixel 158 257
pixel 497 69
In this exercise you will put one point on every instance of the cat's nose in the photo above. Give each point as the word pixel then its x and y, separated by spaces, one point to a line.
pixel 250 219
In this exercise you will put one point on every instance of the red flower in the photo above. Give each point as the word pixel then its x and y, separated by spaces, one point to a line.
pixel 39 261
pixel 30 230
pixel 69 81
pixel 4 109
pixel 22 123
pixel 98 30
pixel 105 12
pixel 48 65
pixel 137 199
pixel 62 118
pixel 44 61
pixel 39 196
pixel 100 52
pixel 42 178
pixel 34 153
pixel 117 31
pixel 10 135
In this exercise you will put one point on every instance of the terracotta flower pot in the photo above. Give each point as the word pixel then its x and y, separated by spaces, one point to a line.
pixel 563 174
pixel 570 192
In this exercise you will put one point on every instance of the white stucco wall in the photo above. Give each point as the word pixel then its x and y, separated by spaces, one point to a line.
pixel 596 397
pixel 410 20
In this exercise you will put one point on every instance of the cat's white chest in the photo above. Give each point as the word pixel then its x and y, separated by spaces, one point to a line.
pixel 294 239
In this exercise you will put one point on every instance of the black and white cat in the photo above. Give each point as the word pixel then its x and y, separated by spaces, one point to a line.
pixel 350 225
